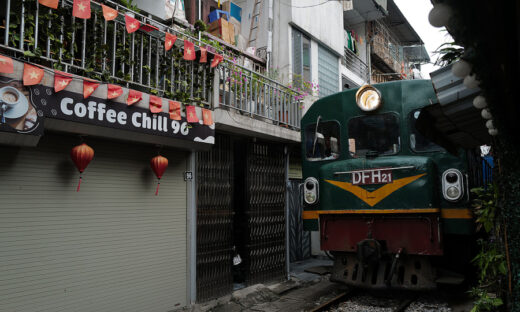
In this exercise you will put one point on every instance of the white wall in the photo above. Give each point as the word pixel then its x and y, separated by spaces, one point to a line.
pixel 325 21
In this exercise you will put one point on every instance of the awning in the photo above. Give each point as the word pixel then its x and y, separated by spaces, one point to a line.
pixel 398 24
pixel 453 121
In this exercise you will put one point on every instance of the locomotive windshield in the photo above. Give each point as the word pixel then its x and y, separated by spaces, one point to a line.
pixel 374 134
pixel 418 142
pixel 322 140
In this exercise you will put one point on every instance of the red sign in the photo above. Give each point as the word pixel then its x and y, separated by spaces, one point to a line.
pixel 373 176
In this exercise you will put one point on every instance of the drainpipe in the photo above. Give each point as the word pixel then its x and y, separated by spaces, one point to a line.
pixel 287 246
pixel 191 188
pixel 270 23
pixel 369 58
pixel 200 16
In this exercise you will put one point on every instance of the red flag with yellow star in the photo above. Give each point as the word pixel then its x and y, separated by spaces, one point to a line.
pixel 108 13
pixel 81 9
pixel 61 80
pixel 53 4
pixel 6 65
pixel 114 91
pixel 191 114
pixel 89 87
pixel 203 55
pixel 133 97
pixel 216 60
pixel 207 117
pixel 169 41
pixel 32 75
pixel 155 104
pixel 189 50
pixel 132 24
pixel 175 110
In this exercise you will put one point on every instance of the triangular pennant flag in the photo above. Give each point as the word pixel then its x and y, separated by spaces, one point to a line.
pixel 31 75
pixel 108 13
pixel 217 58
pixel 175 110
pixel 114 91
pixel 203 55
pixel 191 114
pixel 189 50
pixel 53 4
pixel 148 28
pixel 61 80
pixel 207 117
pixel 132 24
pixel 169 41
pixel 81 9
pixel 6 65
pixel 133 97
pixel 89 87
pixel 155 104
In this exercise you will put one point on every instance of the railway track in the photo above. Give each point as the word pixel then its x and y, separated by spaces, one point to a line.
pixel 363 301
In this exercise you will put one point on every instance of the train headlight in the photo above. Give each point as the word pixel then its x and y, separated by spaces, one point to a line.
pixel 310 190
pixel 452 185
pixel 368 98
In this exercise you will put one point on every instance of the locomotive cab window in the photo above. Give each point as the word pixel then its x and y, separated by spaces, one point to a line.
pixel 418 142
pixel 374 135
pixel 322 141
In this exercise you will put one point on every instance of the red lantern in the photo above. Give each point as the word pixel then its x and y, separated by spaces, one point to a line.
pixel 81 156
pixel 159 165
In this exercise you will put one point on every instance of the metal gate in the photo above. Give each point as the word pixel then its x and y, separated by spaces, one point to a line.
pixel 299 240
pixel 215 220
pixel 265 213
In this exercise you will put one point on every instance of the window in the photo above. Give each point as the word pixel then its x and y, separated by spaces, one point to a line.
pixel 322 141
pixel 418 142
pixel 374 134
pixel 328 71
pixel 301 58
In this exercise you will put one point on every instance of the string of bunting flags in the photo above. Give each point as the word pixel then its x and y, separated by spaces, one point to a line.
pixel 81 9
pixel 33 75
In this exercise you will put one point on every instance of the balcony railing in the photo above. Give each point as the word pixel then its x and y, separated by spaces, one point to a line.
pixel 355 64
pixel 258 96
pixel 103 50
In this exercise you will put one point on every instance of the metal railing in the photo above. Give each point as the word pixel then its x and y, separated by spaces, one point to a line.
pixel 355 64
pixel 258 96
pixel 103 50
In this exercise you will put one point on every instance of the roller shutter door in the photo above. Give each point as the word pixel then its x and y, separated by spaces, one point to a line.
pixel 113 246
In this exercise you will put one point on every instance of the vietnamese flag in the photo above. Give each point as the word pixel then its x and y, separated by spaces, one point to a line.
pixel 207 117
pixel 133 97
pixel 114 91
pixel 61 80
pixel 203 55
pixel 132 24
pixel 169 41
pixel 81 9
pixel 108 13
pixel 53 4
pixel 155 104
pixel 216 60
pixel 191 114
pixel 175 110
pixel 89 87
pixel 189 50
pixel 31 75
pixel 6 65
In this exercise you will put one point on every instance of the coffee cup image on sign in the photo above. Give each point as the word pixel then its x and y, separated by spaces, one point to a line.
pixel 15 109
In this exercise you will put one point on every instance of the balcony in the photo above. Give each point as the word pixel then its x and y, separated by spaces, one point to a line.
pixel 104 51
pixel 355 64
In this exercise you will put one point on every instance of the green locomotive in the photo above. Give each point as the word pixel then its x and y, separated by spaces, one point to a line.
pixel 390 205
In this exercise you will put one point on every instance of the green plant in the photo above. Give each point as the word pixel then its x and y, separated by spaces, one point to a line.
pixel 448 53
pixel 490 260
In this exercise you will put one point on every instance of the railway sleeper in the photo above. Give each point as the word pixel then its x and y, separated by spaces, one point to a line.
pixel 411 272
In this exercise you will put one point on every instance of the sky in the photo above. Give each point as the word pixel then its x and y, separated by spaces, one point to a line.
pixel 416 12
